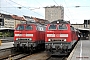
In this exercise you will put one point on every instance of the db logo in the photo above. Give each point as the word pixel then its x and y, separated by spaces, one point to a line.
pixel 57 35
pixel 23 34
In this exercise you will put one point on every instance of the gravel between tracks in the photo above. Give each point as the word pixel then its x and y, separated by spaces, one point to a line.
pixel 37 56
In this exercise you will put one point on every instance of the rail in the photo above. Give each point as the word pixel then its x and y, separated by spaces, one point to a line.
pixel 56 58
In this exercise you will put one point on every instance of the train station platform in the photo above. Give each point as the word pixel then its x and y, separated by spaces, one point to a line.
pixel 81 51
pixel 6 45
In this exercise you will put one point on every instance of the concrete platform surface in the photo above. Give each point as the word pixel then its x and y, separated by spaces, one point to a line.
pixel 81 51
pixel 6 45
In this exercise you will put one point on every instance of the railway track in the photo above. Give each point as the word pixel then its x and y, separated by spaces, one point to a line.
pixel 4 53
pixel 35 56
pixel 60 57
pixel 56 58
pixel 24 56
pixel 17 56
pixel 7 53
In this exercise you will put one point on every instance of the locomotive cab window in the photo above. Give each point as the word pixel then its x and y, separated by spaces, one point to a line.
pixel 62 27
pixel 20 27
pixel 72 28
pixel 28 27
pixel 52 27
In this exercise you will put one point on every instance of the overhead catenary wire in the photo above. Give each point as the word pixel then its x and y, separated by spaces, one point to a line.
pixel 68 9
pixel 25 7
pixel 58 5
pixel 39 3
pixel 6 12
pixel 10 7
pixel 55 2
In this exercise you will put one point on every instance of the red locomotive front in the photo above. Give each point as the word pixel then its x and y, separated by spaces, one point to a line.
pixel 59 37
pixel 29 37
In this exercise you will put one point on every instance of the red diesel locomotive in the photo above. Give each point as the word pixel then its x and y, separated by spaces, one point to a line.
pixel 60 37
pixel 29 37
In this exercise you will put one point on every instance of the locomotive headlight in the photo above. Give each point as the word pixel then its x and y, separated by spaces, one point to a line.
pixel 30 38
pixel 16 38
pixel 49 39
pixel 64 39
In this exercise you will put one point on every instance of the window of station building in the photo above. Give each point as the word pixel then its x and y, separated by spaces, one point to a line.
pixel 20 27
pixel 62 27
pixel 28 27
pixel 52 27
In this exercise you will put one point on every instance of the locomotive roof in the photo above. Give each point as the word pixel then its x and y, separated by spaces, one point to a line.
pixel 60 21
pixel 31 23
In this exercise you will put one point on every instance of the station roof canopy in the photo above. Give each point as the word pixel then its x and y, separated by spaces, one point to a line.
pixel 6 28
pixel 84 29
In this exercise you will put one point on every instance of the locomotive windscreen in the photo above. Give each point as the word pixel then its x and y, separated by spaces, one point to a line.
pixel 62 27
pixel 20 27
pixel 52 27
pixel 28 27
pixel 57 26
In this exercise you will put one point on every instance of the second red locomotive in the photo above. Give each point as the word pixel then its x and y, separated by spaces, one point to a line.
pixel 60 37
